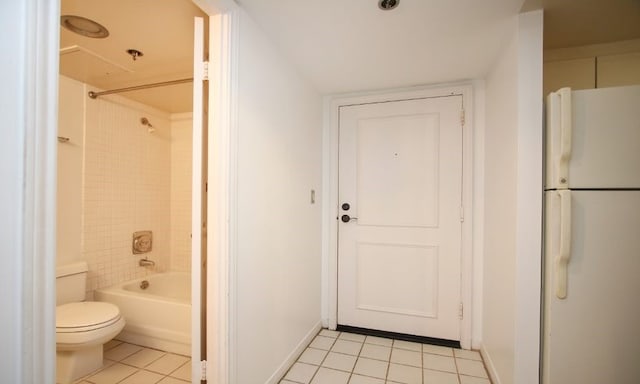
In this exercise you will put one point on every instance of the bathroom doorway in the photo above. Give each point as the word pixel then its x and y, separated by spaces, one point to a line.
pixel 125 156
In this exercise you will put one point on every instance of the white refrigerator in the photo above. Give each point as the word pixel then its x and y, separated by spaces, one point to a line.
pixel 591 324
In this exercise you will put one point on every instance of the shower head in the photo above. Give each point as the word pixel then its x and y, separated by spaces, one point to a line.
pixel 145 121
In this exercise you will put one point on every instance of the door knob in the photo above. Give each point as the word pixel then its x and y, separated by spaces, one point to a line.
pixel 346 218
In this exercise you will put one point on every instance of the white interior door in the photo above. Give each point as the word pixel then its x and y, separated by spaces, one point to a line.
pixel 400 173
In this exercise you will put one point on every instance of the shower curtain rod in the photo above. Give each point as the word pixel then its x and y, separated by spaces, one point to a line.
pixel 95 95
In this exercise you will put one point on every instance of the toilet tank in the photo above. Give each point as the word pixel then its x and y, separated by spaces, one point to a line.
pixel 71 282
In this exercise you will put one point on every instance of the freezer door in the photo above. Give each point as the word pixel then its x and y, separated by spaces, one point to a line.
pixel 593 138
pixel 591 335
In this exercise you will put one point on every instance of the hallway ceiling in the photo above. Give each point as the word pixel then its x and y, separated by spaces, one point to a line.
pixel 162 30
pixel 352 45
pixel 340 46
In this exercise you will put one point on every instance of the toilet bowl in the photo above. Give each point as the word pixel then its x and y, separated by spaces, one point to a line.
pixel 82 328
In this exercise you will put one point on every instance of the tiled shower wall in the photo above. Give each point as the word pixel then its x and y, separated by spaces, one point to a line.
pixel 127 178
pixel 181 191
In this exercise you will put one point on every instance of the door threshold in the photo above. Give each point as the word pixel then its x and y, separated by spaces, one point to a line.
pixel 399 336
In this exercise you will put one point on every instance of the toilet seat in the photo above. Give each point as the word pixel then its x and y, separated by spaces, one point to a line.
pixel 85 316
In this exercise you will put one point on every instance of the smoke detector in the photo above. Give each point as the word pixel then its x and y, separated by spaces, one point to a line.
pixel 387 5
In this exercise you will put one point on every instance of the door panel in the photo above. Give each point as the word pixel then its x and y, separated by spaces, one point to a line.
pixel 400 171
pixel 396 151
pixel 383 285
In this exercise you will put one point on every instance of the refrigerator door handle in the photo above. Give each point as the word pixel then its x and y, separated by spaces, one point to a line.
pixel 565 136
pixel 564 253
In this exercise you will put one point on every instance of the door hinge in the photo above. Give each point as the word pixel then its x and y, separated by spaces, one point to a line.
pixel 462 117
pixel 461 214
pixel 203 370
pixel 461 311
pixel 205 70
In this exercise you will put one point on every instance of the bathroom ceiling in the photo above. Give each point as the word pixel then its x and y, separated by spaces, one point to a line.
pixel 162 30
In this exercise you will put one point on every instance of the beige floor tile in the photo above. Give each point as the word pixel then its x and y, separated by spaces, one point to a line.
pixel 322 342
pixel 330 376
pixel 471 368
pixel 404 374
pixel 438 377
pixel 473 380
pixel 172 380
pixel 110 344
pixel 113 374
pixel 312 356
pixel 373 351
pixel 286 382
pixel 379 341
pixel 352 337
pixel 470 355
pixel 347 347
pixel 437 350
pixel 167 363
pixel 143 377
pixel 121 351
pixel 184 372
pixel 143 357
pixel 301 373
pixel 407 345
pixel 357 379
pixel 339 361
pixel 438 363
pixel 329 333
pixel 370 367
pixel 406 357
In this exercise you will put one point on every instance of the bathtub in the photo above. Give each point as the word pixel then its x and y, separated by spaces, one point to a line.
pixel 158 316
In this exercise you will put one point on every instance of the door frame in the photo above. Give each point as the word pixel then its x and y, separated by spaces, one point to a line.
pixel 220 312
pixel 330 198
pixel 33 146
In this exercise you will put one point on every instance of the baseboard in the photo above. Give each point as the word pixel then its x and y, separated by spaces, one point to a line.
pixel 293 356
pixel 488 363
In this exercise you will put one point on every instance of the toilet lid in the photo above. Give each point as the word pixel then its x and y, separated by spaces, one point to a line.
pixel 85 316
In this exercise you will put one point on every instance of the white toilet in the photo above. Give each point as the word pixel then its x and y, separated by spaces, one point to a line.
pixel 82 327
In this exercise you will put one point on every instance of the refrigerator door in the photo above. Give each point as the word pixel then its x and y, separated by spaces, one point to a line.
pixel 591 335
pixel 593 138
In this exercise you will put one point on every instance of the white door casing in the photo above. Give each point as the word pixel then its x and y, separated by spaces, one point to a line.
pixel 198 194
pixel 400 170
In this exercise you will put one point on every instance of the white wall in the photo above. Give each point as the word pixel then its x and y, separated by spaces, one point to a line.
pixel 278 230
pixel 529 197
pixel 500 213
pixel 513 206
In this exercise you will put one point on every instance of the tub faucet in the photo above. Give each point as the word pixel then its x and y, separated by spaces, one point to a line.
pixel 146 262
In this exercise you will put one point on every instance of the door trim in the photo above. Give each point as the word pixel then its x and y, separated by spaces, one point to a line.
pixel 221 174
pixel 330 198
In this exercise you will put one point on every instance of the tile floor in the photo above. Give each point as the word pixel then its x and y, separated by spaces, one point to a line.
pixel 341 358
pixel 126 363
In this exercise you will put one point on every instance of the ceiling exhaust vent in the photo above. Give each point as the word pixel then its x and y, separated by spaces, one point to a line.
pixel 387 5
